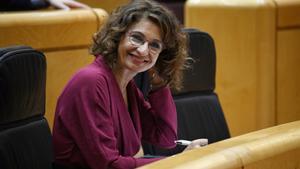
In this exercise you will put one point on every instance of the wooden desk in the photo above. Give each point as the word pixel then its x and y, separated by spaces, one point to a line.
pixel 272 148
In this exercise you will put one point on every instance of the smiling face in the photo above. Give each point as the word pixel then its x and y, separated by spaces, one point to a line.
pixel 139 47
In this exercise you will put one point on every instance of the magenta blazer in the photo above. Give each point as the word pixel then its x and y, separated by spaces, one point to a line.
pixel 93 128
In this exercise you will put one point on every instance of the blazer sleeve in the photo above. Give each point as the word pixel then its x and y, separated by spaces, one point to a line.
pixel 85 113
pixel 159 118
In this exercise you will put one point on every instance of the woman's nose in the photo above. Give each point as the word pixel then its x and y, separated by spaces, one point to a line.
pixel 143 49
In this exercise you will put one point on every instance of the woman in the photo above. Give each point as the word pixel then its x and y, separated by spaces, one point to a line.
pixel 101 116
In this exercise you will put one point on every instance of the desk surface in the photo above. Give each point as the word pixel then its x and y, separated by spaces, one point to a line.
pixel 239 151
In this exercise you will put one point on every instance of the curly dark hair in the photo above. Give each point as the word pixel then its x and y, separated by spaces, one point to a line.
pixel 171 61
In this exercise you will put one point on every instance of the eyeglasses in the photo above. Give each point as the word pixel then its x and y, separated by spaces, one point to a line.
pixel 137 39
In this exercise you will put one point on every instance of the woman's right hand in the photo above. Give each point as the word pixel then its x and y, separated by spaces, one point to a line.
pixel 197 144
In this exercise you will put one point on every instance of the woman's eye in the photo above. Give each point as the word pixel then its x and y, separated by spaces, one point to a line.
pixel 138 39
pixel 155 45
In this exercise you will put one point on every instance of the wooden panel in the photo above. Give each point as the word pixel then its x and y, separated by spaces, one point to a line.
pixel 288 75
pixel 202 158
pixel 287 160
pixel 261 150
pixel 244 34
pixel 61 66
pixel 288 13
pixel 49 29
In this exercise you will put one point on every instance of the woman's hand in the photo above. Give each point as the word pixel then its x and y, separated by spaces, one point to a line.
pixel 67 4
pixel 197 144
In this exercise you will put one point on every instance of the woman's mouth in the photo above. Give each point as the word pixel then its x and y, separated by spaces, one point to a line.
pixel 138 59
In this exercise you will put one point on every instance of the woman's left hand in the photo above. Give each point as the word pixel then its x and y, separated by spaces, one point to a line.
pixel 197 144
